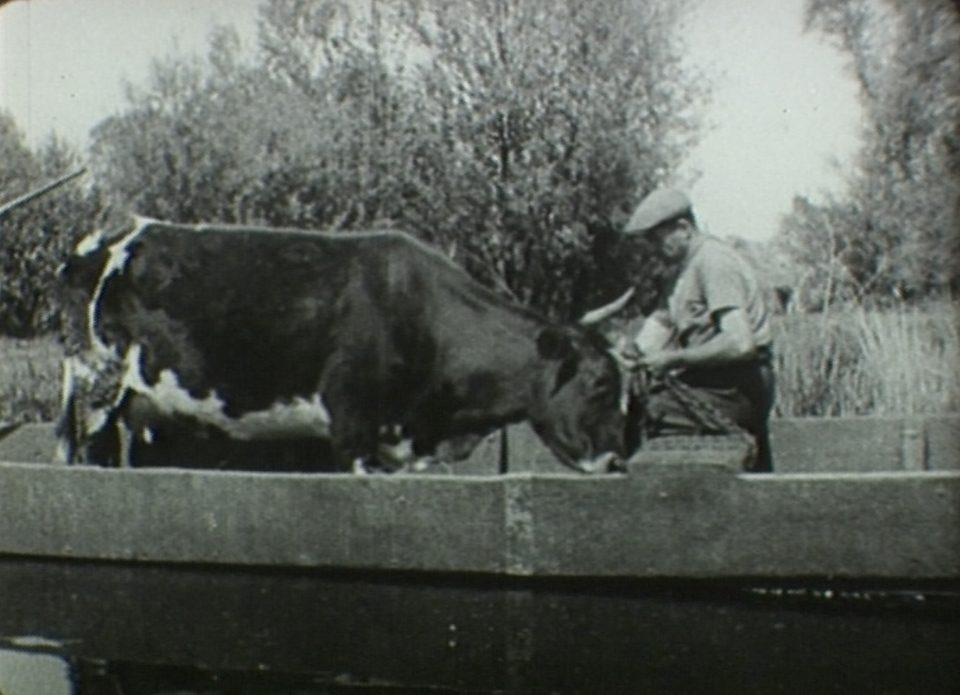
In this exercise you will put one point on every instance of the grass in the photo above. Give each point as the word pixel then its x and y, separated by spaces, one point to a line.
pixel 29 379
pixel 845 362
pixel 854 361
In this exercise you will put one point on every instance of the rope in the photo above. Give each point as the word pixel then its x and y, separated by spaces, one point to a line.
pixel 703 412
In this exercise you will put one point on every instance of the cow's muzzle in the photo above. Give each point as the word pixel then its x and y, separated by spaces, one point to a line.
pixel 609 462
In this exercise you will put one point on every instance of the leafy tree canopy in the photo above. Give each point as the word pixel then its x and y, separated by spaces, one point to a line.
pixel 514 135
pixel 35 238
pixel 896 232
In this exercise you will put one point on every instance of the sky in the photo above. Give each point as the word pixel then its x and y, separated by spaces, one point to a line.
pixel 785 114
pixel 784 110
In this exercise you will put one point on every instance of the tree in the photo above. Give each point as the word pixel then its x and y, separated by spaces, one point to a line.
pixel 902 214
pixel 814 237
pixel 35 239
pixel 229 141
pixel 18 162
pixel 514 135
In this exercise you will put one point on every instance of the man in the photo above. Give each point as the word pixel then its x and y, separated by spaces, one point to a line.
pixel 713 335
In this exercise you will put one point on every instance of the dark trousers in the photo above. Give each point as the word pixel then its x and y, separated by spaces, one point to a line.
pixel 742 393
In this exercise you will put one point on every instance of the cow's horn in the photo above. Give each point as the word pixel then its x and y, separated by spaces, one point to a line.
pixel 595 316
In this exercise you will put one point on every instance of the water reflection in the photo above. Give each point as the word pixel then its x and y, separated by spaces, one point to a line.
pixel 23 673
pixel 101 628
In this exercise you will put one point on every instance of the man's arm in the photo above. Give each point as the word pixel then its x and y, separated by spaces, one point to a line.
pixel 733 343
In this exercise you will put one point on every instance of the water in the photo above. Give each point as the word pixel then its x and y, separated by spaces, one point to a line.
pixel 72 628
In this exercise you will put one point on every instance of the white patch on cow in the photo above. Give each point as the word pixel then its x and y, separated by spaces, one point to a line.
pixel 81 374
pixel 167 395
pixel 117 260
pixel 62 454
pixel 147 435
pixel 298 417
pixel 96 419
pixel 90 243
pixel 82 370
pixel 399 454
pixel 67 382
pixel 625 396
pixel 626 379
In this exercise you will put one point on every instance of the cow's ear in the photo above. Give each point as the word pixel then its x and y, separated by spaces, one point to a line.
pixel 554 344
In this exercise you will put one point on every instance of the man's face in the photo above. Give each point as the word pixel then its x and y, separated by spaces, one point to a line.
pixel 671 239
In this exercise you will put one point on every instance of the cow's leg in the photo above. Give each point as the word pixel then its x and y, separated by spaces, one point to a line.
pixel 354 426
pixel 85 434
pixel 66 428
pixel 154 440
pixel 102 444
pixel 354 440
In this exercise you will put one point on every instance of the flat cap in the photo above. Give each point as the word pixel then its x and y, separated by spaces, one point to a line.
pixel 662 205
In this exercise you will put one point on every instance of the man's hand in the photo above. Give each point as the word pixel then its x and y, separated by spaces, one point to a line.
pixel 660 362
pixel 632 359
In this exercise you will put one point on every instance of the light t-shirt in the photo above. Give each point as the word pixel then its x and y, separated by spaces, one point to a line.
pixel 715 278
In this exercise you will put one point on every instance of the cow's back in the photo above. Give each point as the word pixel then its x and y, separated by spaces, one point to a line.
pixel 252 314
pixel 228 327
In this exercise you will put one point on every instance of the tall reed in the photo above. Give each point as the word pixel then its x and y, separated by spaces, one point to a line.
pixel 856 361
pixel 29 379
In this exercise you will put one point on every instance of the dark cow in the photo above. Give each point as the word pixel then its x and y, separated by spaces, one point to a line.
pixel 243 338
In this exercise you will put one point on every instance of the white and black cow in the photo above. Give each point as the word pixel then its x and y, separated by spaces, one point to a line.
pixel 202 344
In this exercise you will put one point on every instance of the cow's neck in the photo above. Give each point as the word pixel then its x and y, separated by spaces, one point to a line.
pixel 498 382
